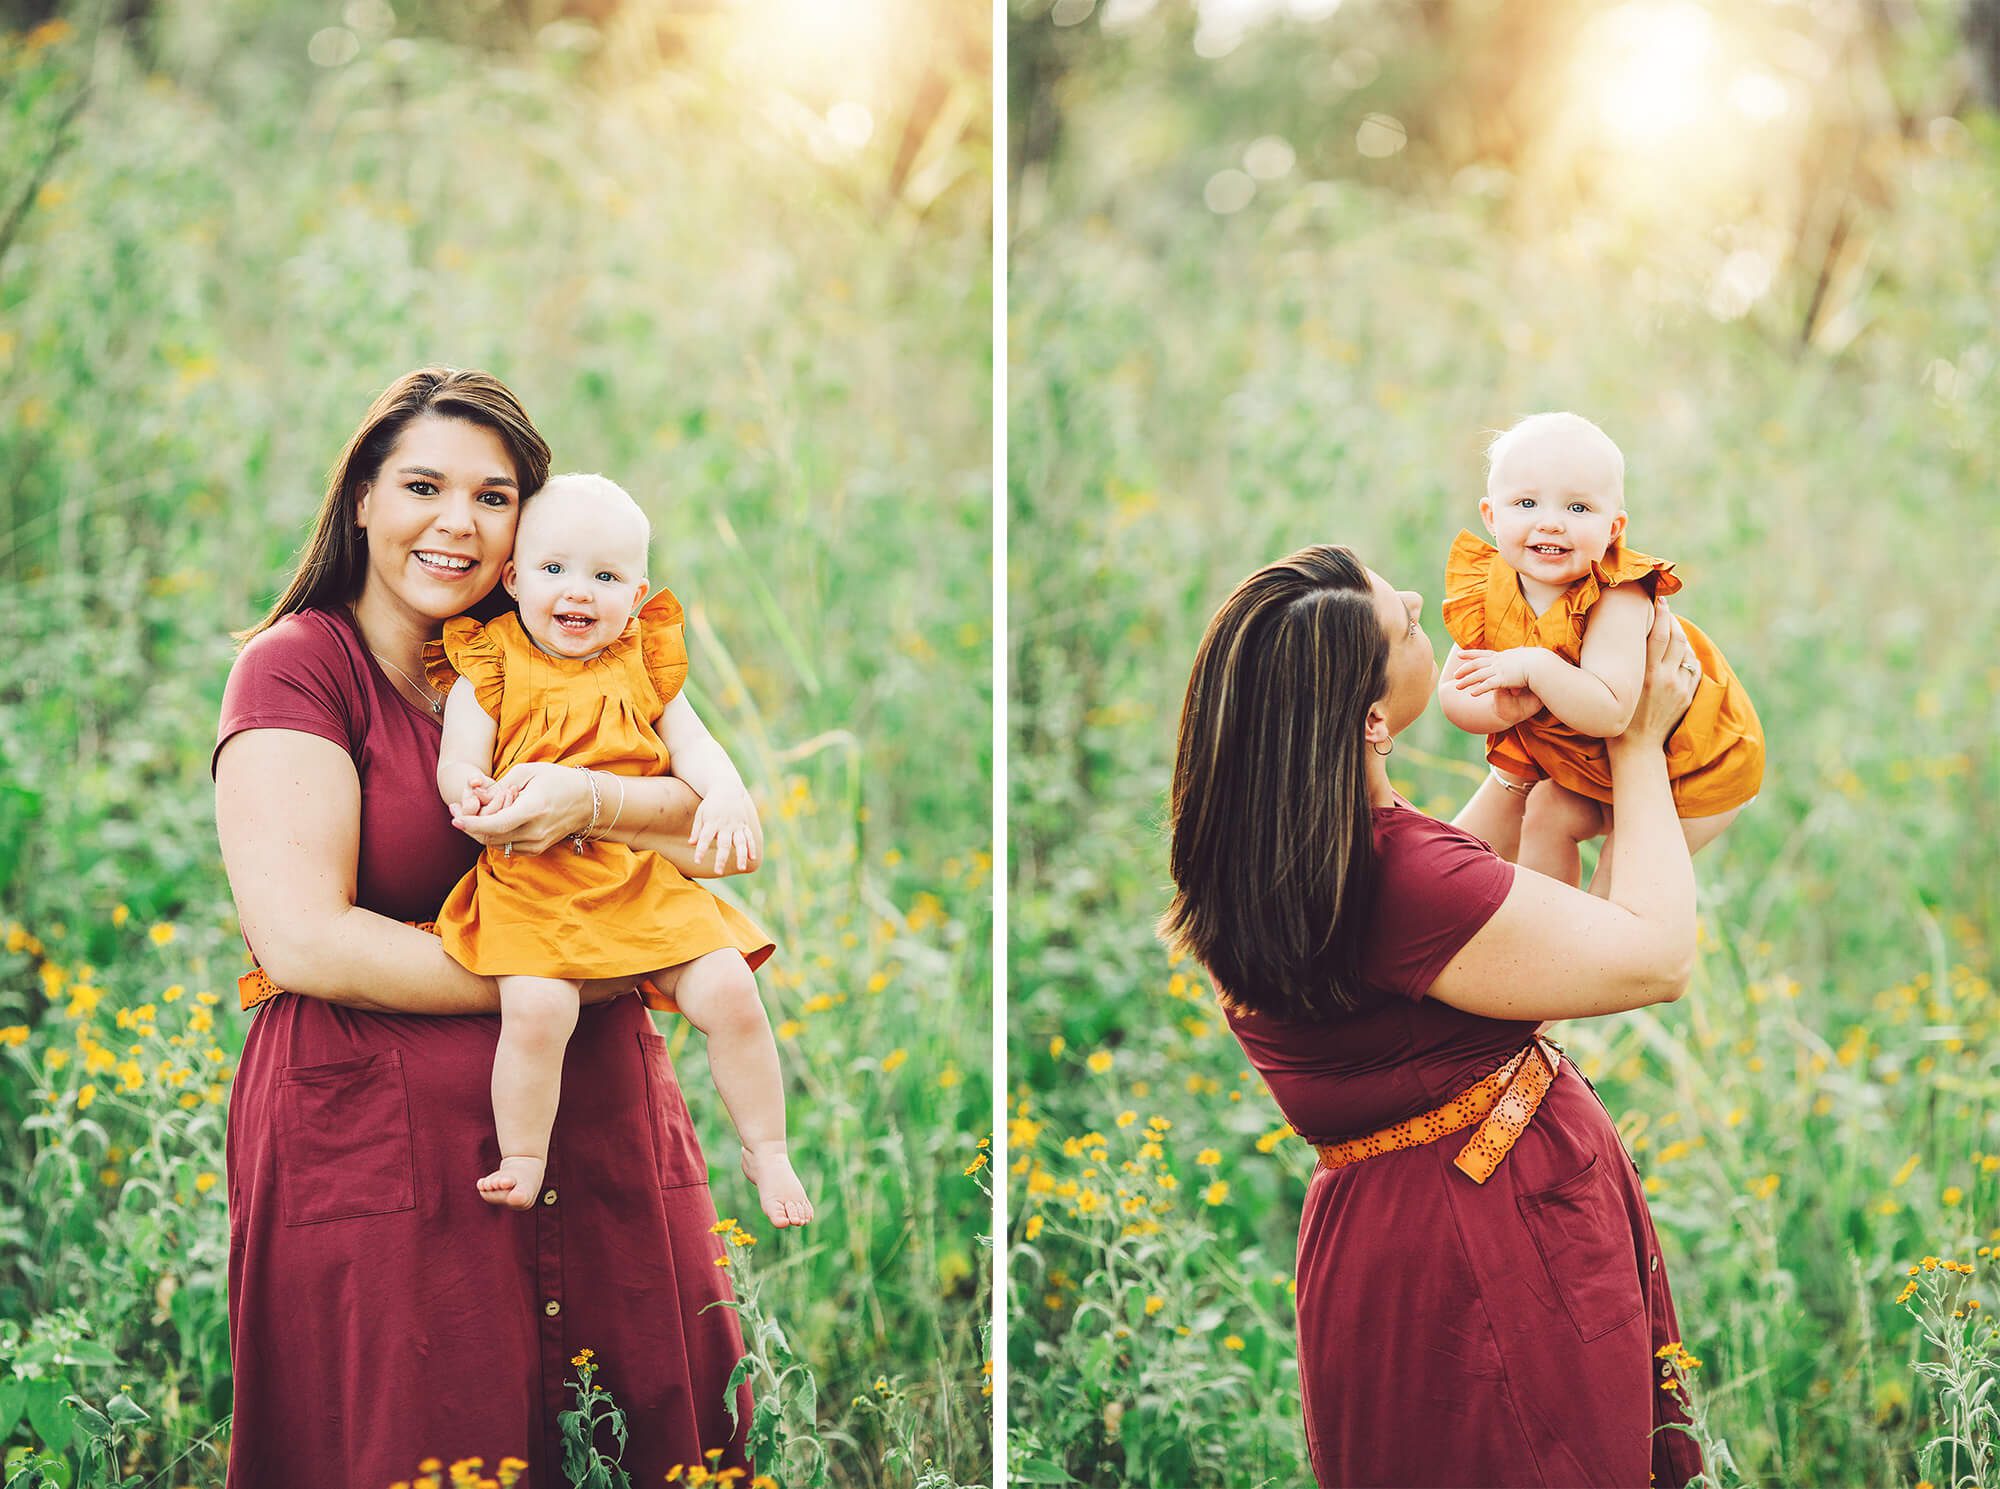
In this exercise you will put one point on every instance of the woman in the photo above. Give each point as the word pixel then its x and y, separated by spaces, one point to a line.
pixel 1486 1317
pixel 380 1312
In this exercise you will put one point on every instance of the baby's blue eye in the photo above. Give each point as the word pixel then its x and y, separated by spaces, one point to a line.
pixel 1579 506
pixel 551 568
pixel 605 576
pixel 1526 501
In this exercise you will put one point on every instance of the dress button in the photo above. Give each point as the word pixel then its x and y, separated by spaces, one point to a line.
pixel 548 1196
pixel 1656 1264
pixel 552 1308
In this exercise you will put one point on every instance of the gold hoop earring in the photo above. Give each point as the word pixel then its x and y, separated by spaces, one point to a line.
pixel 1384 754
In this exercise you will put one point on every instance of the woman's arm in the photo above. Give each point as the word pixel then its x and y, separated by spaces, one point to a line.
pixel 1493 815
pixel 288 812
pixel 1595 697
pixel 1552 952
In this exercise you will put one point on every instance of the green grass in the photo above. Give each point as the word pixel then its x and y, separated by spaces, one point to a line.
pixel 786 361
pixel 1193 396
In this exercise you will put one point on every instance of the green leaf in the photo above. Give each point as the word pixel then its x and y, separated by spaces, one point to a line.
pixel 14 1401
pixel 125 1411
pixel 95 1422
pixel 46 1413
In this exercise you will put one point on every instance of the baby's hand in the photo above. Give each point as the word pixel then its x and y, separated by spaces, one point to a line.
pixel 484 795
pixel 1481 672
pixel 729 821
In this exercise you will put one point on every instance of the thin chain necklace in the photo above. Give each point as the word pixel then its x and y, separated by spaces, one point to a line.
pixel 437 698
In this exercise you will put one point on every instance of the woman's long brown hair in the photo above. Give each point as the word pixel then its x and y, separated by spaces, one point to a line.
pixel 334 562
pixel 1271 840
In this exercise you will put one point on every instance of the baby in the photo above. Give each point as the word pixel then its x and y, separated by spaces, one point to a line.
pixel 1550 629
pixel 574 678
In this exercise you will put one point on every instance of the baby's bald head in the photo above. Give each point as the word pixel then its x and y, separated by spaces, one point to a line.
pixel 576 505
pixel 1557 440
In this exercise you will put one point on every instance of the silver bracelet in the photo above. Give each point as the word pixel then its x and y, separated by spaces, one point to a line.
pixel 617 814
pixel 1519 789
pixel 596 805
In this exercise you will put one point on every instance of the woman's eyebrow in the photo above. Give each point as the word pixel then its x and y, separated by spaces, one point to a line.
pixel 437 475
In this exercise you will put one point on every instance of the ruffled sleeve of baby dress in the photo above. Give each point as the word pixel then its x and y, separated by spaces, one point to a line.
pixel 663 647
pixel 1620 565
pixel 1468 569
pixel 468 650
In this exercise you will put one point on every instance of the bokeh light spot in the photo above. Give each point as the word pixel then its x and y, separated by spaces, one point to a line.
pixel 336 46
pixel 1269 158
pixel 1228 191
pixel 1380 136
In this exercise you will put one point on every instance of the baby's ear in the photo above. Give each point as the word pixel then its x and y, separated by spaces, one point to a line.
pixel 1617 528
pixel 639 595
pixel 1486 513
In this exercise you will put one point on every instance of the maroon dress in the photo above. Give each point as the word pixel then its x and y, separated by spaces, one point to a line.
pixel 380 1312
pixel 1453 1333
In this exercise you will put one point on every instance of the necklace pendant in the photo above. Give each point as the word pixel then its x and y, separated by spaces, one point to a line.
pixel 437 707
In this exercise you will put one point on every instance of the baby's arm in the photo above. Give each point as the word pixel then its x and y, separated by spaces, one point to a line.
pixel 1598 695
pixel 726 816
pixel 465 754
pixel 1493 712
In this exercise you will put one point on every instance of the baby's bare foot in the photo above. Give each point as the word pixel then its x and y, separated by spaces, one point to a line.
pixel 515 1183
pixel 778 1188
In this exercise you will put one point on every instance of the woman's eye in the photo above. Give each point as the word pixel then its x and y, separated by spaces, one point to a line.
pixel 422 488
pixel 494 498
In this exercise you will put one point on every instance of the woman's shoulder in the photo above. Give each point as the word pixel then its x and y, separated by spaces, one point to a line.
pixel 305 672
pixel 1435 885
pixel 314 651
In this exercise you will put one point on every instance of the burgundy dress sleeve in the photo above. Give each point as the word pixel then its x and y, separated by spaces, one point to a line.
pixel 288 677
pixel 1436 886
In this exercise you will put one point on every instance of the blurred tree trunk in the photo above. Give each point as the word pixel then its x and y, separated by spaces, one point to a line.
pixel 1982 45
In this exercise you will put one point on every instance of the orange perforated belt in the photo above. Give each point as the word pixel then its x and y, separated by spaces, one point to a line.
pixel 1501 1104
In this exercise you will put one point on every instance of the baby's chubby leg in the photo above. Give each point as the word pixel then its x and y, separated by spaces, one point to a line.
pixel 1557 821
pixel 718 995
pixel 537 1016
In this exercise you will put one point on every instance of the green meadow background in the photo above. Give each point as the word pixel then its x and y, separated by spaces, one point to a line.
pixel 737 257
pixel 1277 273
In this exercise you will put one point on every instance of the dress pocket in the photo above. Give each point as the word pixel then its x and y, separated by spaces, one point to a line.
pixel 676 1150
pixel 344 1145
pixel 1581 1230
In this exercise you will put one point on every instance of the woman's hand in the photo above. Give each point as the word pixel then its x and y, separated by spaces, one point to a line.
pixel 1672 674
pixel 549 803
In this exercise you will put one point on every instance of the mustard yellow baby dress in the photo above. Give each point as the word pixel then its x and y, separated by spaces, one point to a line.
pixel 1715 758
pixel 608 911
